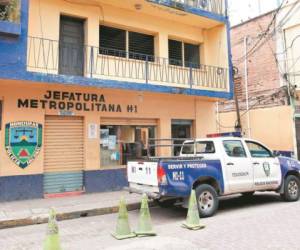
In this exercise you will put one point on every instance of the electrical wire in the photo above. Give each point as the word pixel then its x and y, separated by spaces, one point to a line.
pixel 292 44
pixel 262 35
pixel 265 34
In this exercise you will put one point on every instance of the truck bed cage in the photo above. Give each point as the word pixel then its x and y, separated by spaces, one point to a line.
pixel 154 143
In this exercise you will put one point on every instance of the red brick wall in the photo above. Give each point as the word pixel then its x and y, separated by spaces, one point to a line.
pixel 263 74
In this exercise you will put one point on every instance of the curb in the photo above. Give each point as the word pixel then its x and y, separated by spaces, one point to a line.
pixel 43 218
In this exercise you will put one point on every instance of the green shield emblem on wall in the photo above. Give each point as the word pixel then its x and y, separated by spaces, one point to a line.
pixel 23 141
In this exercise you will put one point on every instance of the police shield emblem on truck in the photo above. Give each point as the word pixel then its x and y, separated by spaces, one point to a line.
pixel 23 141
pixel 267 168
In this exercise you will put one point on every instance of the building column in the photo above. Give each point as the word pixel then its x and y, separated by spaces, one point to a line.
pixel 161 45
pixel 205 120
pixel 92 145
pixel 164 132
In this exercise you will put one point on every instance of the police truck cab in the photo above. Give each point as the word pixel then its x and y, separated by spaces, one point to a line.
pixel 214 167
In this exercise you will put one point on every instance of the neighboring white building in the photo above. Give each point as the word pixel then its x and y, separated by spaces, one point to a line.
pixel 288 54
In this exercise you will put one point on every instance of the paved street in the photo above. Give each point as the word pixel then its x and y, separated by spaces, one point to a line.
pixel 261 222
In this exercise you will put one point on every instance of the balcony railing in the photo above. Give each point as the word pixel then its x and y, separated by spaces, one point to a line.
pixel 10 10
pixel 214 6
pixel 49 56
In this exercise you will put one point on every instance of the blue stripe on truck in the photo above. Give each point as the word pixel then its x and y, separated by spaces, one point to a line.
pixel 181 175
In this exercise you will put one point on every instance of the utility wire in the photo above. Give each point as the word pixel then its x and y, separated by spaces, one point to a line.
pixel 262 35
pixel 292 44
pixel 265 34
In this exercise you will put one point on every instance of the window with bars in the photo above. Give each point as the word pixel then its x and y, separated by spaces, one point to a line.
pixel 175 52
pixel 141 46
pixel 118 42
pixel 179 50
pixel 112 41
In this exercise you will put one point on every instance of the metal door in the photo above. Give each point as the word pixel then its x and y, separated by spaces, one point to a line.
pixel 63 154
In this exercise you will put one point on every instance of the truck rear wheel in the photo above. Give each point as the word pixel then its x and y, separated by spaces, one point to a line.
pixel 207 200
pixel 291 188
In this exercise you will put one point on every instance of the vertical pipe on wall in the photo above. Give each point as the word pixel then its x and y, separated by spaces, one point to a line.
pixel 246 86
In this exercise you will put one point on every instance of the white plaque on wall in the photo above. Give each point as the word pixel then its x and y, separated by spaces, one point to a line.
pixel 92 131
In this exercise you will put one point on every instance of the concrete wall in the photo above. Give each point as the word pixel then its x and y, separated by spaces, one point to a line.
pixel 210 35
pixel 162 107
pixel 272 126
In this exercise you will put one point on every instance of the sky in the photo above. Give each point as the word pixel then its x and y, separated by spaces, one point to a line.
pixel 242 10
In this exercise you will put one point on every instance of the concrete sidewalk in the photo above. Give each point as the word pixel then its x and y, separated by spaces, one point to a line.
pixel 29 212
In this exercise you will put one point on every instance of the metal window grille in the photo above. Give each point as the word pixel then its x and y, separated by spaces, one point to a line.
pixel 142 45
pixel 112 41
pixel 191 55
pixel 175 52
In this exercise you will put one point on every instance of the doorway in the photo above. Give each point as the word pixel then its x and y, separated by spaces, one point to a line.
pixel 181 130
pixel 71 46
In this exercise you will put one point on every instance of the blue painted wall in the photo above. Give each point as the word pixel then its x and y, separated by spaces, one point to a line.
pixel 21 187
pixel 13 47
pixel 105 180
pixel 13 54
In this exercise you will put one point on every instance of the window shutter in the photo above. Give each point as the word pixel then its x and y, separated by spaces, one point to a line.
pixel 112 41
pixel 191 55
pixel 175 52
pixel 141 46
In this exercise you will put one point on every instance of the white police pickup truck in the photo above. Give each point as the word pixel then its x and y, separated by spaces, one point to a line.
pixel 215 167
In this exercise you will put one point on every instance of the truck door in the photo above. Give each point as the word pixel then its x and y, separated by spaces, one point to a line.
pixel 266 167
pixel 238 167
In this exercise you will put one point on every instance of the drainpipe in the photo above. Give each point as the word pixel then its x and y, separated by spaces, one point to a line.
pixel 246 85
pixel 290 96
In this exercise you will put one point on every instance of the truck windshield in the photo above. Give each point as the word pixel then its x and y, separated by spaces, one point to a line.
pixel 188 148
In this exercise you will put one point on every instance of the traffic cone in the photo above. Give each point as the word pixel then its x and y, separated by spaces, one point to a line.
pixel 193 219
pixel 144 224
pixel 123 229
pixel 52 241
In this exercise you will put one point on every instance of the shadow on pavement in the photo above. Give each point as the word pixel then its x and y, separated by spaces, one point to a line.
pixel 227 204
pixel 239 202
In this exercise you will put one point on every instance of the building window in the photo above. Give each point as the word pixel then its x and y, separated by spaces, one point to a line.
pixel 141 46
pixel 179 50
pixel 123 43
pixel 112 41
pixel 121 143
pixel 175 52
pixel 191 55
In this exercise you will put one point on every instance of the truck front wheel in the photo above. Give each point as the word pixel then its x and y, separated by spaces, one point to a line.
pixel 207 200
pixel 291 188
